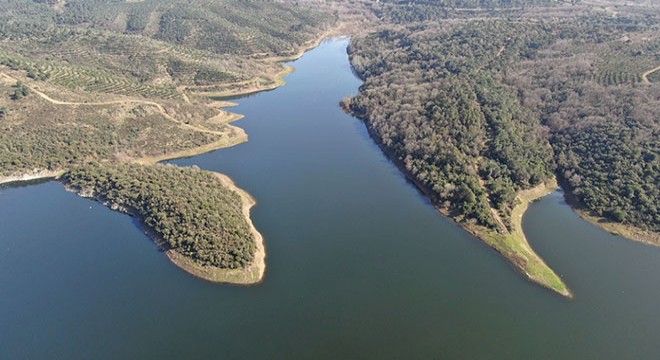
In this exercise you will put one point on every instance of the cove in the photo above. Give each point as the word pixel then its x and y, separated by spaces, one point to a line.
pixel 359 264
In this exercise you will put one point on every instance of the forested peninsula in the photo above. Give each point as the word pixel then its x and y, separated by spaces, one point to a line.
pixel 95 93
pixel 189 212
pixel 482 105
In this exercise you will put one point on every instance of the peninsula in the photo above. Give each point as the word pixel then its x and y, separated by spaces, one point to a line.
pixel 483 107
pixel 97 103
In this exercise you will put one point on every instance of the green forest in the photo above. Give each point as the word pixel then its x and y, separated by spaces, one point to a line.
pixel 476 111
pixel 433 100
pixel 188 209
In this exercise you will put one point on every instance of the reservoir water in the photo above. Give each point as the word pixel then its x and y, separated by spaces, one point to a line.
pixel 359 264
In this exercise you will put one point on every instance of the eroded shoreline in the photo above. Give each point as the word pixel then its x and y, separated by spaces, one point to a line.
pixel 35 175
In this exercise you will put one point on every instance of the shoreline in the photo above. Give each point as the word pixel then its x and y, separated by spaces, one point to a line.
pixel 253 274
pixel 305 48
pixel 527 197
pixel 513 246
pixel 224 96
pixel 628 232
pixel 250 275
pixel 34 175
pixel 277 78
pixel 239 138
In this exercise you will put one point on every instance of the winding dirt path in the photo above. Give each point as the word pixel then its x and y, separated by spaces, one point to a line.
pixel 645 75
pixel 158 106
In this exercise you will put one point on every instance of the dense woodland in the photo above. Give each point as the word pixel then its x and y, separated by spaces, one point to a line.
pixel 604 119
pixel 471 109
pixel 406 11
pixel 432 99
pixel 189 209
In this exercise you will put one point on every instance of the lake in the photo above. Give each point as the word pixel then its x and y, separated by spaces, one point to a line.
pixel 359 264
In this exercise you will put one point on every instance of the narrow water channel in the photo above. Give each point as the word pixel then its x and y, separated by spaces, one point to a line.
pixel 359 264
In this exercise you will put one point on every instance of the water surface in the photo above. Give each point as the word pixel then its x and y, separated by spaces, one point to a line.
pixel 359 264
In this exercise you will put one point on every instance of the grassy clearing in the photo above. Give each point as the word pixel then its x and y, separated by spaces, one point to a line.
pixel 239 136
pixel 515 247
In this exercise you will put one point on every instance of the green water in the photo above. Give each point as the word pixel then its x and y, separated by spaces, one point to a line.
pixel 360 266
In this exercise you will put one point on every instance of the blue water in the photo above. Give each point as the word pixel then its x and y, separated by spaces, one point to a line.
pixel 359 264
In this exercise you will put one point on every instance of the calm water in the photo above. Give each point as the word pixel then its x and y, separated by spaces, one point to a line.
pixel 359 264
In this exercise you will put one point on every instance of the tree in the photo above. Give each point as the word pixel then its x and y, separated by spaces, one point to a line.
pixel 617 214
pixel 21 91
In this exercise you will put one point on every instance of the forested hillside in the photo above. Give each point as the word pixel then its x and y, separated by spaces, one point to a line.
pixel 108 79
pixel 405 11
pixel 480 102
pixel 604 119
pixel 470 109
pixel 152 48
pixel 432 98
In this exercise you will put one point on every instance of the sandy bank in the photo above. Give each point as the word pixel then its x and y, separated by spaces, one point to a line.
pixel 252 274
pixel 628 231
pixel 277 78
pixel 34 175
pixel 309 46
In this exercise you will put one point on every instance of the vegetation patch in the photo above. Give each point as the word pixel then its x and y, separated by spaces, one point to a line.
pixel 480 111
pixel 188 211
